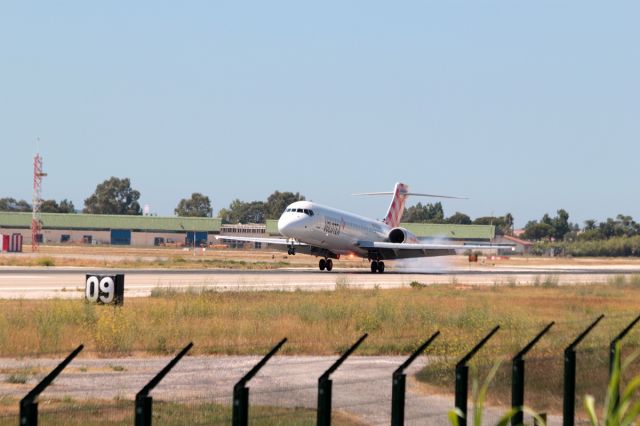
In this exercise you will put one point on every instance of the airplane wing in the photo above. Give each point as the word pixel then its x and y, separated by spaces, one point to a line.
pixel 279 241
pixel 284 244
pixel 408 250
pixel 431 246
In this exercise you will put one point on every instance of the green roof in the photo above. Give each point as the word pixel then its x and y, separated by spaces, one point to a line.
pixel 106 222
pixel 444 230
pixel 434 230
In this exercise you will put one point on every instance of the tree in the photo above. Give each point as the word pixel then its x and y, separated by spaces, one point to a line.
pixel 278 201
pixel 536 231
pixel 561 225
pixel 629 226
pixel 12 205
pixel 197 206
pixel 114 196
pixel 459 219
pixel 503 224
pixel 241 212
pixel 51 206
pixel 427 213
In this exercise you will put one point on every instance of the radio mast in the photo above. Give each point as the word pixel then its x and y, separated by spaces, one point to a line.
pixel 36 221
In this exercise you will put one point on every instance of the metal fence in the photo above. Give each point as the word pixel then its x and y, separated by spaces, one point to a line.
pixel 344 390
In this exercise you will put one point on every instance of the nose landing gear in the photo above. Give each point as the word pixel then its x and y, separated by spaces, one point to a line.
pixel 326 264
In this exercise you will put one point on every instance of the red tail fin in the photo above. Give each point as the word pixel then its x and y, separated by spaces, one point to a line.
pixel 396 209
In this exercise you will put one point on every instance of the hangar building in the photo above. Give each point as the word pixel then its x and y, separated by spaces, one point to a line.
pixel 113 229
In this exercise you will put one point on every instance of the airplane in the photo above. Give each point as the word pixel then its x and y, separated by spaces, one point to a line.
pixel 329 233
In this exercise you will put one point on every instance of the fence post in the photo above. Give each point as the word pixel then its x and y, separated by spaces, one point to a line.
pixel 399 384
pixel 144 403
pixel 612 355
pixel 28 404
pixel 324 386
pixel 569 400
pixel 517 377
pixel 462 378
pixel 241 391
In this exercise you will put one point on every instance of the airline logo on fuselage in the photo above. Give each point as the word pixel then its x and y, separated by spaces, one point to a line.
pixel 332 226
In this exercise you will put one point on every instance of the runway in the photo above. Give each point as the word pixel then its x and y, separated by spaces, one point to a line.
pixel 38 283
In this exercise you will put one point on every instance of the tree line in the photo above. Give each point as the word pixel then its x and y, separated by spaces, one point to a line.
pixel 116 196
pixel 434 213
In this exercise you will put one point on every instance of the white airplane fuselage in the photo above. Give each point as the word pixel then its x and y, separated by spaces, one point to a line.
pixel 335 230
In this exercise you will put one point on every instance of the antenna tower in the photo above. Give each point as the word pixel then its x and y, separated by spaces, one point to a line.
pixel 36 221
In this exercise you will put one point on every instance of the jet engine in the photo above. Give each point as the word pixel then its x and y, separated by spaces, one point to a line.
pixel 401 235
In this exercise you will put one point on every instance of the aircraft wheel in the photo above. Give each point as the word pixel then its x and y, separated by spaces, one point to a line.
pixel 381 267
pixel 322 264
pixel 374 266
pixel 329 264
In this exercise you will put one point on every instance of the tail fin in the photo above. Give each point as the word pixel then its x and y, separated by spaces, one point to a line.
pixel 400 194
pixel 396 209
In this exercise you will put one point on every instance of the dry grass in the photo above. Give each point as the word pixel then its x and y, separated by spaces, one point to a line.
pixel 319 323
pixel 329 322
pixel 160 257
pixel 69 411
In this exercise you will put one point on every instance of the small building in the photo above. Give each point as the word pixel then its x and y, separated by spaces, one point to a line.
pixel 521 247
pixel 243 230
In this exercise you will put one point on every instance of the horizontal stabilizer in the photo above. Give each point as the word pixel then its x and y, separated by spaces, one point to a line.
pixel 412 193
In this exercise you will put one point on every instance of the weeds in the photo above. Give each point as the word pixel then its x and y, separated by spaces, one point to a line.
pixel 619 408
pixel 118 368
pixel 18 378
pixel 114 331
pixel 342 283
pixel 315 322
pixel 21 375
pixel 45 261
pixel 550 281
pixel 417 285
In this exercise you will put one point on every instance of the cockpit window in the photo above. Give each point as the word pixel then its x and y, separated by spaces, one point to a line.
pixel 305 211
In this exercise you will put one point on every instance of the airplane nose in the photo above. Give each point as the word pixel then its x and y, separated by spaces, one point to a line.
pixel 284 226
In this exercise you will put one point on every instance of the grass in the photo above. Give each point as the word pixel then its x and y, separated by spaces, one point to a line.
pixel 417 285
pixel 19 375
pixel 318 323
pixel 45 261
pixel 323 323
pixel 69 411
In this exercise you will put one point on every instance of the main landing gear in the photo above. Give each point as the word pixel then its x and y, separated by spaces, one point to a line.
pixel 326 264
pixel 291 250
pixel 377 266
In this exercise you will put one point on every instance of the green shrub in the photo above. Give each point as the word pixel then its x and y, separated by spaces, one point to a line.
pixel 45 261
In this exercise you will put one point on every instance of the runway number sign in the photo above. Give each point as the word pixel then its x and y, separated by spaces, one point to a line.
pixel 104 289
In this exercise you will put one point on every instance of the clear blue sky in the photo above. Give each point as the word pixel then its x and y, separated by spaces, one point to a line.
pixel 525 107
